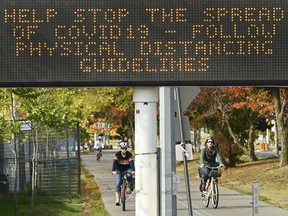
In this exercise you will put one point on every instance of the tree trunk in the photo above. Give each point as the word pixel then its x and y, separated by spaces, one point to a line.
pixel 33 181
pixel 197 140
pixel 16 207
pixel 284 150
pixel 280 109
pixel 14 148
pixel 15 172
pixel 243 148
pixel 252 155
pixel 232 161
pixel 283 135
pixel 34 171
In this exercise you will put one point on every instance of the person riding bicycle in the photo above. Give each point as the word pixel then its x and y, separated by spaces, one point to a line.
pixel 98 146
pixel 123 163
pixel 208 157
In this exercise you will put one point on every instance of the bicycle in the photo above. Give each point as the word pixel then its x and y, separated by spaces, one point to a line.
pixel 124 187
pixel 98 154
pixel 212 190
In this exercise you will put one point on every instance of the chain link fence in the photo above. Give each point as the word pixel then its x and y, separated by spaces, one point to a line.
pixel 56 158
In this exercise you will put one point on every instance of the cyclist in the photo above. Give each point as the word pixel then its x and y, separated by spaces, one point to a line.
pixel 98 146
pixel 208 157
pixel 123 162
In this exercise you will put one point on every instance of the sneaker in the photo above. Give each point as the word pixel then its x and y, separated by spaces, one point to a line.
pixel 117 204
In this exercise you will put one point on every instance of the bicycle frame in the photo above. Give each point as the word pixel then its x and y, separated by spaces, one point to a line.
pixel 212 191
pixel 98 154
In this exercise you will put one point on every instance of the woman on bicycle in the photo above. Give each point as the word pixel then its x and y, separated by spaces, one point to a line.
pixel 123 162
pixel 208 157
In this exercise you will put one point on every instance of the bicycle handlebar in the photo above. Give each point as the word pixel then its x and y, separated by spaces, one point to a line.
pixel 214 168
pixel 118 172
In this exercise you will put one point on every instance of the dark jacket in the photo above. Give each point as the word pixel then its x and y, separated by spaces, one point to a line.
pixel 208 157
pixel 123 163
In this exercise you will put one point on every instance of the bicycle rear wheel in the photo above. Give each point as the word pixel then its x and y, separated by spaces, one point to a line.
pixel 123 195
pixel 215 195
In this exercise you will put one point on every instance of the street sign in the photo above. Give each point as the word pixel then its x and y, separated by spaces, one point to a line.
pixel 26 126
pixel 179 152
pixel 103 125
pixel 155 43
pixel 185 129
pixel 186 96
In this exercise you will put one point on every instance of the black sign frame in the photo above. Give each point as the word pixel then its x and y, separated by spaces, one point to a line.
pixel 143 43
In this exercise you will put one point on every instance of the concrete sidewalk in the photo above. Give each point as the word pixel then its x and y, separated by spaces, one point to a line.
pixel 231 202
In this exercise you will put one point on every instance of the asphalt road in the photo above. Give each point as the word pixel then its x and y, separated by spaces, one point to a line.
pixel 266 154
pixel 231 203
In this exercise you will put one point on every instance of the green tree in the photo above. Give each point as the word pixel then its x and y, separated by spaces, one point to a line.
pixel 47 107
pixel 217 106
pixel 10 127
pixel 115 106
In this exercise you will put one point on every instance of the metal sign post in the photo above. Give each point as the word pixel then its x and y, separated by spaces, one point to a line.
pixel 189 201
pixel 255 188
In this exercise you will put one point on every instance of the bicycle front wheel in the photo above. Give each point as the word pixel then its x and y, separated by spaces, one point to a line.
pixel 206 197
pixel 215 194
pixel 123 195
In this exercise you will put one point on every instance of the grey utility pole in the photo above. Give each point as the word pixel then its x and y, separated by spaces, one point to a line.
pixel 168 197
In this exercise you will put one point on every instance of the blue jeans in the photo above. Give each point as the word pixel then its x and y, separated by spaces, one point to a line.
pixel 118 179
pixel 204 173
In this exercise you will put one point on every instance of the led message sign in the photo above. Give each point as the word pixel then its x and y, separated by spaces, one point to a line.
pixel 129 42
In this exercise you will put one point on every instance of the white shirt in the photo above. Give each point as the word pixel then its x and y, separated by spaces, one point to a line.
pixel 98 144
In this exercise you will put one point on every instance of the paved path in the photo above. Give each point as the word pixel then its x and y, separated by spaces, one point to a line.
pixel 231 202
